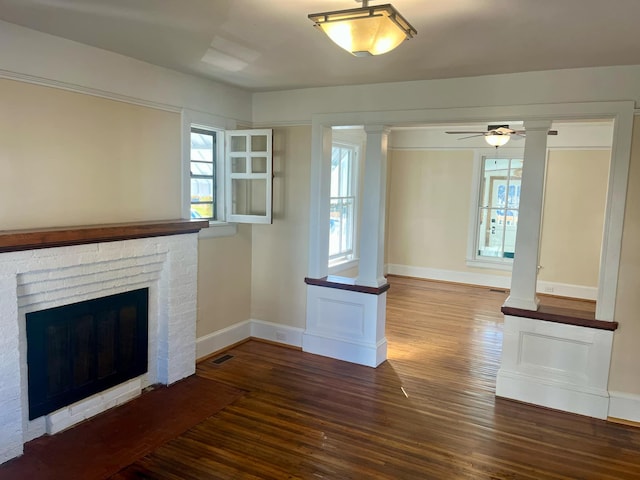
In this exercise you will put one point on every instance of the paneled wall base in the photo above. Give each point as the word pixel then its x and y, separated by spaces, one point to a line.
pixel 554 365
pixel 346 325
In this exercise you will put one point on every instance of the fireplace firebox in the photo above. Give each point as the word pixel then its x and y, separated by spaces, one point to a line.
pixel 77 350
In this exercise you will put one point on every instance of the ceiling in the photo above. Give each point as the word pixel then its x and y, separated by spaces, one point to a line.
pixel 264 45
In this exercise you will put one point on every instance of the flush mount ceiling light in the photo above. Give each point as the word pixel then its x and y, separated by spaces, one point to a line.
pixel 366 30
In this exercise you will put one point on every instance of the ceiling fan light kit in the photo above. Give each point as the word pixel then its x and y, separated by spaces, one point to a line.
pixel 497 135
pixel 497 139
pixel 365 31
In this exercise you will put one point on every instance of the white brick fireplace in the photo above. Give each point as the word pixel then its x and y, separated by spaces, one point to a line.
pixel 33 280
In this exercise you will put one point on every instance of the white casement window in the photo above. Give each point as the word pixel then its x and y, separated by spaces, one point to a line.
pixel 250 176
pixel 343 204
pixel 227 174
pixel 496 212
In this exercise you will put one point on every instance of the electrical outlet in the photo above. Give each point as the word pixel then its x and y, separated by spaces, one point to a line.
pixel 548 289
pixel 280 335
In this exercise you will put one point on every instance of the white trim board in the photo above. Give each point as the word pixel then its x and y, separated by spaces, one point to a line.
pixel 226 337
pixel 624 406
pixel 490 280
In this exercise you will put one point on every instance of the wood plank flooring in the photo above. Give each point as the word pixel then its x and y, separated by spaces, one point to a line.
pixel 429 412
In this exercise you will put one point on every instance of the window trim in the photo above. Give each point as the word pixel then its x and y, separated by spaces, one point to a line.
pixel 189 119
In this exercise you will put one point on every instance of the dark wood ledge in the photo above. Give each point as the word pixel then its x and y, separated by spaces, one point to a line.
pixel 344 283
pixel 562 315
pixel 16 240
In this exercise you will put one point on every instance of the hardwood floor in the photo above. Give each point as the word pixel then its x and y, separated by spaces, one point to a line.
pixel 428 412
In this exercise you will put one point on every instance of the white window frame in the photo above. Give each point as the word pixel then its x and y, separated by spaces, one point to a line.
pixel 345 262
pixel 473 259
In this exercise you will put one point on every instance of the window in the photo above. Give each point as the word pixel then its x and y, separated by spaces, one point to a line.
pixel 498 208
pixel 203 174
pixel 343 203
pixel 250 176
pixel 226 174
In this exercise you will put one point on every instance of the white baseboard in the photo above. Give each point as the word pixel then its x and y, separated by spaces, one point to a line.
pixel 472 278
pixel 625 406
pixel 583 401
pixel 222 339
pixel 490 280
pixel 276 332
pixel 362 354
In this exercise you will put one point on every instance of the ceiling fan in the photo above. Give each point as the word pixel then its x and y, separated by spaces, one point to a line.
pixel 496 135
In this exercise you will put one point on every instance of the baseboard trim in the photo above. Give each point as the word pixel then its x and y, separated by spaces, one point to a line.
pixel 277 333
pixel 362 354
pixel 225 338
pixel 533 390
pixel 624 406
pixel 221 339
pixel 490 280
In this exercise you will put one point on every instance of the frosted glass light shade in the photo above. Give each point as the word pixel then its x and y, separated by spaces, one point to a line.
pixel 365 31
pixel 497 140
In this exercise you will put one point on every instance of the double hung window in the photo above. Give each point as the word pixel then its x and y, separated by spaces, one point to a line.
pixel 342 216
pixel 498 208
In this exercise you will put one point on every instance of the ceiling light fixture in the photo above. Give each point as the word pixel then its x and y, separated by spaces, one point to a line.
pixel 366 30
pixel 496 139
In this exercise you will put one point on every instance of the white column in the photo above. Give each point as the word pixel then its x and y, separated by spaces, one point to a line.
pixel 371 265
pixel 525 263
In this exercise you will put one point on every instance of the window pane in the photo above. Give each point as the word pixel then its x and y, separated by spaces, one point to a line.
pixel 202 210
pixel 238 144
pixel 341 221
pixel 259 165
pixel 490 234
pixel 249 197
pixel 202 168
pixel 239 165
pixel 202 190
pixel 201 147
pixel 258 143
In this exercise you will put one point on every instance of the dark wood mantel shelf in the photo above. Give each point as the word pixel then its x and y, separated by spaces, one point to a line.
pixel 567 316
pixel 17 240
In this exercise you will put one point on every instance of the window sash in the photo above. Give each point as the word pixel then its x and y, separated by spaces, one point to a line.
pixel 498 210
pixel 203 206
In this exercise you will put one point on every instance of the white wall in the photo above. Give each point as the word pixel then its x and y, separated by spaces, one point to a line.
pixel 37 57
pixel 556 86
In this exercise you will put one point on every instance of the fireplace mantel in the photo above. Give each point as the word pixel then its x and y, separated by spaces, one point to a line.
pixel 87 263
pixel 17 240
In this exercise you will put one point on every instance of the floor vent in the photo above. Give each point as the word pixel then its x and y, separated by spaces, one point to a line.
pixel 497 290
pixel 222 359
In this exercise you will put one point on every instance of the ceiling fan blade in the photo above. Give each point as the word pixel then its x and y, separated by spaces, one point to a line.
pixel 471 136
pixel 463 132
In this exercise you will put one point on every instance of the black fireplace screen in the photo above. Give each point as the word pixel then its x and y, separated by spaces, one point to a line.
pixel 77 350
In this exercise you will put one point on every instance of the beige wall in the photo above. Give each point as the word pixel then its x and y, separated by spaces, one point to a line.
pixel 73 159
pixel 428 211
pixel 280 251
pixel 573 218
pixel 626 354
pixel 224 281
